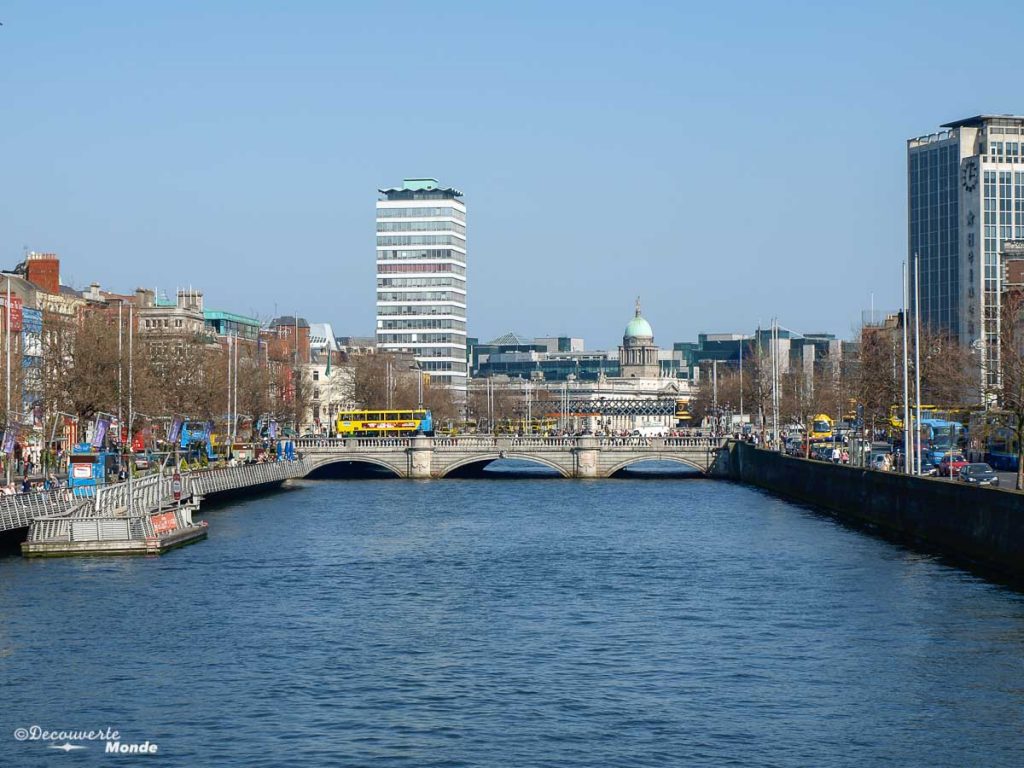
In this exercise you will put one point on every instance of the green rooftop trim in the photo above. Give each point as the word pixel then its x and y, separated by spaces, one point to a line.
pixel 211 314
pixel 419 184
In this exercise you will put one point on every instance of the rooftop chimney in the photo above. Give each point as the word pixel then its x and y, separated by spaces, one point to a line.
pixel 43 271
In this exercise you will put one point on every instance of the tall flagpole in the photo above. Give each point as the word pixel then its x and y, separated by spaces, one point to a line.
pixel 227 425
pixel 120 415
pixel 917 359
pixel 907 449
pixel 234 408
pixel 7 426
pixel 131 419
pixel 775 384
pixel 741 382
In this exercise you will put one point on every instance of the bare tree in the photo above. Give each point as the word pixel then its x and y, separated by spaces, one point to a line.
pixel 383 380
pixel 1010 390
pixel 80 364
pixel 948 370
pixel 499 403
pixel 875 383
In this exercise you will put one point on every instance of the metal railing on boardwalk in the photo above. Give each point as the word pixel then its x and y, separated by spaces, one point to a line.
pixel 19 509
pixel 148 494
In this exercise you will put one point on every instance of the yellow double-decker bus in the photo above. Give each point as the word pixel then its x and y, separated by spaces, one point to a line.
pixel 383 423
pixel 821 428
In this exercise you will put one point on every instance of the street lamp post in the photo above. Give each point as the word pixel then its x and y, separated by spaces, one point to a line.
pixel 7 406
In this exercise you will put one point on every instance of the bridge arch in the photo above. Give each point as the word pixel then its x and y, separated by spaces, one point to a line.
pixel 654 457
pixel 325 462
pixel 486 458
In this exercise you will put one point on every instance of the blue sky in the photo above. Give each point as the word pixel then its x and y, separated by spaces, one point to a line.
pixel 726 161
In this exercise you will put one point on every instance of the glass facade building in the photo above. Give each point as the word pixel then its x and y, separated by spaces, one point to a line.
pixel 421 277
pixel 965 200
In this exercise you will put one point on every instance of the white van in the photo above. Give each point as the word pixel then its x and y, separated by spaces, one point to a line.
pixel 650 431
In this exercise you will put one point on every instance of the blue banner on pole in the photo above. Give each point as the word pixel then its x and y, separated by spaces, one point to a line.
pixel 10 435
pixel 102 425
pixel 175 431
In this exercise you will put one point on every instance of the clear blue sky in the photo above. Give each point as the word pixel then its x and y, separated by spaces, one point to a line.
pixel 727 161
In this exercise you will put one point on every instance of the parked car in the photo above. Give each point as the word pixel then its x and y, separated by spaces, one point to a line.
pixel 794 446
pixel 951 464
pixel 978 474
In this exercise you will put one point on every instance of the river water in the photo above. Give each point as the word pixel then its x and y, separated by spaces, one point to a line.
pixel 516 622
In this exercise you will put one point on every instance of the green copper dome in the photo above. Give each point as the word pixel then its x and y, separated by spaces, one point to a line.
pixel 638 326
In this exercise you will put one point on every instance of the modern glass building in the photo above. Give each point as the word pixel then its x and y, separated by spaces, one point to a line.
pixel 421 277
pixel 965 198
pixel 231 324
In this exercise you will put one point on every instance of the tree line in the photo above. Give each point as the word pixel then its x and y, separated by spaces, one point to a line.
pixel 871 377
pixel 89 368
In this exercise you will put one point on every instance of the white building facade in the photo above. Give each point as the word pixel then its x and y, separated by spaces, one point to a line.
pixel 965 197
pixel 421 278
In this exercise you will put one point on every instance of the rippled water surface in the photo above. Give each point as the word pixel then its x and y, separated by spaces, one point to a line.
pixel 517 623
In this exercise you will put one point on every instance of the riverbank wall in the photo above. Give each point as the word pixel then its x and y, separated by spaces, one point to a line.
pixel 979 526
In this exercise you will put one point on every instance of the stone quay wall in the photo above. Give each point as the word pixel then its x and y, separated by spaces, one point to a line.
pixel 982 526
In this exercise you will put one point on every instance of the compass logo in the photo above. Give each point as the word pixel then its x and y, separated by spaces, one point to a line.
pixel 66 747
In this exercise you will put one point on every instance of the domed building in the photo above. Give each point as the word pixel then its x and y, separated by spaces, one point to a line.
pixel 638 356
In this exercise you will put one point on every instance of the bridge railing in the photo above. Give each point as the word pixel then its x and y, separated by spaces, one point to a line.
pixel 315 444
pixel 660 443
pixel 460 442
pixel 544 442
pixel 205 482
pixel 18 510
pixel 467 441
pixel 144 492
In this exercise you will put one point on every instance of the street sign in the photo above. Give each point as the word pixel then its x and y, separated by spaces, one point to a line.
pixel 176 486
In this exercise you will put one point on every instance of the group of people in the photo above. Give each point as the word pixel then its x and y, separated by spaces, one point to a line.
pixel 28 485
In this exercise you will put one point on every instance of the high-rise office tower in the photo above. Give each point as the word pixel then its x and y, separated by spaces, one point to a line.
pixel 965 197
pixel 421 277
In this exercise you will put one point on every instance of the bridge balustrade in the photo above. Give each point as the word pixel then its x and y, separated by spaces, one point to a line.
pixel 469 441
pixel 351 443
pixel 544 442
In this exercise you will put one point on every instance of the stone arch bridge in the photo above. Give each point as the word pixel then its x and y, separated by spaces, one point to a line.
pixel 575 457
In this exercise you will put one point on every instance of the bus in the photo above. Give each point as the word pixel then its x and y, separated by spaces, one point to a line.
pixel 392 423
pixel 821 428
pixel 896 416
pixel 992 434
pixel 939 437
